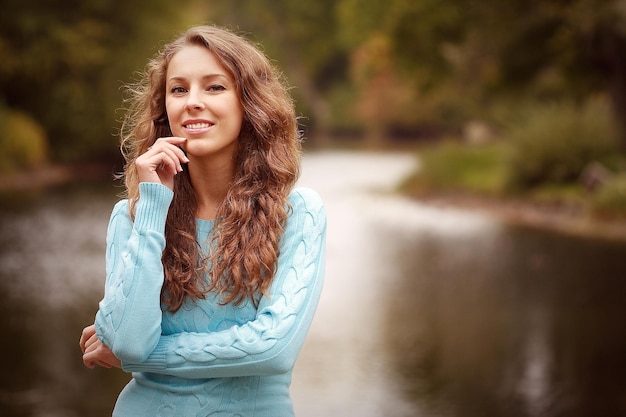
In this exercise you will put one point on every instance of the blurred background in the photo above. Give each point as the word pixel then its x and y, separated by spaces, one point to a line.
pixel 472 156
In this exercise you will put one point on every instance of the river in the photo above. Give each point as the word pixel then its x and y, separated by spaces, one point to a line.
pixel 426 312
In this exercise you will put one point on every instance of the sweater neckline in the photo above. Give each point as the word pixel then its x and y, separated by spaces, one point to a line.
pixel 204 225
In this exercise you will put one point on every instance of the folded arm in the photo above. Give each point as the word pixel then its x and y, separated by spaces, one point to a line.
pixel 270 343
pixel 129 317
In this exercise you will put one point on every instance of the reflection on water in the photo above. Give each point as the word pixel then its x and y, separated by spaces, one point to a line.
pixel 425 312
pixel 51 272
pixel 430 312
pixel 518 324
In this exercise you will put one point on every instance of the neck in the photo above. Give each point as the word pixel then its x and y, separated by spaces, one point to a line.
pixel 210 182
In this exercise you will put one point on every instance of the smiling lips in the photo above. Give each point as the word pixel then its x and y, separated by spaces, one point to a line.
pixel 197 125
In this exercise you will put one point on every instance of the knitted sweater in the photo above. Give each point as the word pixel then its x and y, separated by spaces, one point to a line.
pixel 207 359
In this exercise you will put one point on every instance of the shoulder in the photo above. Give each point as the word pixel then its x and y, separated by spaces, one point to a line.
pixel 120 215
pixel 307 209
pixel 305 199
pixel 122 207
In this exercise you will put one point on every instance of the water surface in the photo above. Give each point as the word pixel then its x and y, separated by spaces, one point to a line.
pixel 425 311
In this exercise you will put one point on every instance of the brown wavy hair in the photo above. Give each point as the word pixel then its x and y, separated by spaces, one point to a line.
pixel 244 249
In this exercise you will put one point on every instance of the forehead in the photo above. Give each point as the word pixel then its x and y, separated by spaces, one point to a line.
pixel 195 61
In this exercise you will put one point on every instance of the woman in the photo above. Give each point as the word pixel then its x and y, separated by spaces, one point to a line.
pixel 214 261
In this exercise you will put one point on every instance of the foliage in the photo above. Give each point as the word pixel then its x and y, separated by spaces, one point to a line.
pixel 366 65
pixel 443 62
pixel 301 37
pixel 557 141
pixel 610 200
pixel 383 98
pixel 454 167
pixel 65 61
pixel 478 53
pixel 23 142
pixel 402 77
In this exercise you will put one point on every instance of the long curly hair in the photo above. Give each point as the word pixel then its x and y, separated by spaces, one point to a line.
pixel 244 247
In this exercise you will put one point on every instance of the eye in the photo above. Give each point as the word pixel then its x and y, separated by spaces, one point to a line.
pixel 216 88
pixel 178 90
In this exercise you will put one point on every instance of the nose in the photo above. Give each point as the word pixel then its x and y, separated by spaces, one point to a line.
pixel 194 100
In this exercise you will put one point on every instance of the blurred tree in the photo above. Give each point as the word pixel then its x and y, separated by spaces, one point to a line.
pixel 561 49
pixel 302 38
pixel 417 33
pixel 384 98
pixel 481 52
pixel 383 63
pixel 63 63
pixel 23 142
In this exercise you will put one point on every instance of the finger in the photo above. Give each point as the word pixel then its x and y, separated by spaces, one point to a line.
pixel 94 346
pixel 104 364
pixel 156 168
pixel 86 334
pixel 174 140
pixel 169 162
pixel 91 358
pixel 89 345
pixel 82 342
pixel 175 144
pixel 171 144
pixel 161 160
pixel 101 356
pixel 88 362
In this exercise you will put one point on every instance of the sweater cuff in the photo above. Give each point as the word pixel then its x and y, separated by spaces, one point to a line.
pixel 157 361
pixel 152 207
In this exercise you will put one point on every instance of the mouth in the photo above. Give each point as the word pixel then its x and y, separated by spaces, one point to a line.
pixel 197 125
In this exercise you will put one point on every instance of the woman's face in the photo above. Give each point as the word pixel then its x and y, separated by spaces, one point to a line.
pixel 202 103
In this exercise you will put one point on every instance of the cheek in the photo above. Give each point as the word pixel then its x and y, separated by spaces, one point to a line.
pixel 169 109
pixel 239 115
pixel 172 116
pixel 176 131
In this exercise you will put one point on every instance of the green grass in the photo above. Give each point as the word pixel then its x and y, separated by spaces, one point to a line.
pixel 610 200
pixel 483 171
pixel 555 142
pixel 452 167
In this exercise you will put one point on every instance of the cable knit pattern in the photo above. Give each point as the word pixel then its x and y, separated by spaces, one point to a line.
pixel 207 359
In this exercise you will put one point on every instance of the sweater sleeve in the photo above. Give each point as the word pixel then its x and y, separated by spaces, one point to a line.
pixel 129 317
pixel 271 342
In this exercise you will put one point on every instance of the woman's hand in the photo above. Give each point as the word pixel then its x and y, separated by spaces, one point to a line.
pixel 95 352
pixel 162 161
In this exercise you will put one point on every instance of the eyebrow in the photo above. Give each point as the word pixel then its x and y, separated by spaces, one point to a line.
pixel 204 77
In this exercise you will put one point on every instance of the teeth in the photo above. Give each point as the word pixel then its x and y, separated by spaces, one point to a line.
pixel 198 125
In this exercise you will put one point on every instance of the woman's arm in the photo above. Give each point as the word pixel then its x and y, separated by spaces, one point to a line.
pixel 129 317
pixel 270 343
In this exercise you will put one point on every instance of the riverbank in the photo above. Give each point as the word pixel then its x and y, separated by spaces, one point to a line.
pixel 54 175
pixel 569 219
pixel 563 218
pixel 478 178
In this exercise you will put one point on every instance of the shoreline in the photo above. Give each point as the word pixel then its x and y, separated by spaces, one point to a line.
pixel 561 219
pixel 570 220
pixel 55 175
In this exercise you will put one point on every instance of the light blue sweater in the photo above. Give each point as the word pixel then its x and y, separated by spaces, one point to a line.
pixel 207 359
